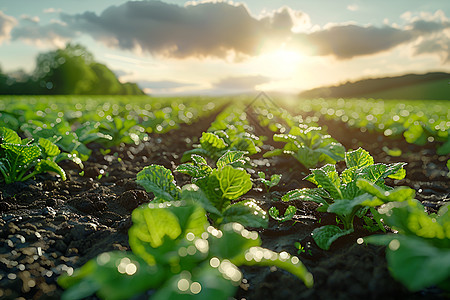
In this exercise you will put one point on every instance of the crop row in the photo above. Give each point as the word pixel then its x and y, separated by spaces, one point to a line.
pixel 418 122
pixel 191 239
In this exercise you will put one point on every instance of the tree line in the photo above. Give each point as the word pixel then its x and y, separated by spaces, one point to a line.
pixel 69 71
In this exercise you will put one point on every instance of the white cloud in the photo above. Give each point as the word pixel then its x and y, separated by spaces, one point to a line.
pixel 7 23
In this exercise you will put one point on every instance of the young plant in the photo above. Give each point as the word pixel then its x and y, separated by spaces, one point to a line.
pixel 269 183
pixel 419 254
pixel 176 255
pixel 214 189
pixel 309 146
pixel 288 214
pixel 215 144
pixel 346 194
pixel 21 159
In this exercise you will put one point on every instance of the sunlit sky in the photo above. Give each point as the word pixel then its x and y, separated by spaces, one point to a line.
pixel 214 47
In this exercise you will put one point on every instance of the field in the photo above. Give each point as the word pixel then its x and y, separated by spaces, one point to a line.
pixel 350 170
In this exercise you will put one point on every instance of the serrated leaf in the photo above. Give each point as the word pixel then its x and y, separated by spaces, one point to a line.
pixel 234 158
pixel 233 182
pixel 50 149
pixel 247 213
pixel 211 141
pixel 45 165
pixel 358 158
pixel 324 236
pixel 159 181
pixel 195 171
pixel 9 136
pixel 198 160
pixel 22 155
pixel 328 180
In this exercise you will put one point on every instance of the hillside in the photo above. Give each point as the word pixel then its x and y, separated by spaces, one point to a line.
pixel 434 86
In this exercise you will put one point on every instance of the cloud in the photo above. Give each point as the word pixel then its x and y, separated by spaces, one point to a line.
pixel 211 29
pixel 7 23
pixel 228 31
pixel 353 7
pixel 163 84
pixel 348 41
pixel 241 83
pixel 51 10
pixel 55 33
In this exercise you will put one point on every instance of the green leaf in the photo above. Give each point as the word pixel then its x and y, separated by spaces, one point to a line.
pixel 413 261
pixel 21 155
pixel 159 181
pixel 344 207
pixel 104 277
pixel 257 256
pixel 195 171
pixel 246 212
pixel 198 160
pixel 206 281
pixel 9 136
pixel 191 192
pixel 233 182
pixel 233 158
pixel 329 180
pixel 398 194
pixel 211 187
pixel 324 236
pixel 157 228
pixel 307 157
pixel 358 158
pixel 231 241
pixel 210 140
pixel 275 152
pixel 46 165
pixel 317 195
pixel 288 214
pixel 49 149
pixel 333 150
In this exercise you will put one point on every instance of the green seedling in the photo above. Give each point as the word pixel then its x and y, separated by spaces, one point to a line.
pixel 22 159
pixel 269 183
pixel 214 189
pixel 349 194
pixel 419 254
pixel 177 255
pixel 215 144
pixel 288 214
pixel 309 146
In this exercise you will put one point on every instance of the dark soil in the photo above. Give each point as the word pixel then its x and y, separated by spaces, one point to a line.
pixel 48 225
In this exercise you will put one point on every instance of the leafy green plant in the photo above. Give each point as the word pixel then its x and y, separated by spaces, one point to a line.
pixel 177 255
pixel 214 144
pixel 214 189
pixel 309 146
pixel 21 159
pixel 269 183
pixel 288 214
pixel 350 193
pixel 419 254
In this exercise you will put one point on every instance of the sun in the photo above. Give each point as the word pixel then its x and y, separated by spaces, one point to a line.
pixel 282 62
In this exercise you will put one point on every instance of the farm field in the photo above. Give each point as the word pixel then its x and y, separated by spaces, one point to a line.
pixel 104 168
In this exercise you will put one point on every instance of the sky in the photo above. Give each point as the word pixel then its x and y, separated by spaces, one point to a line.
pixel 220 47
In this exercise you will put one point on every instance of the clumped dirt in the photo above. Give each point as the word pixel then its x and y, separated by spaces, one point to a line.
pixel 48 226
